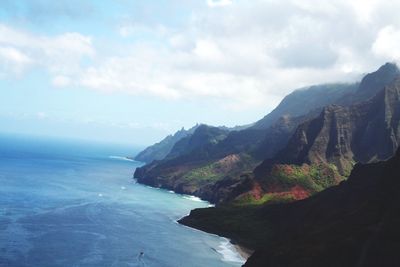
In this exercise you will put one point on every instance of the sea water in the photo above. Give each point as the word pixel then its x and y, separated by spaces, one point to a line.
pixel 69 204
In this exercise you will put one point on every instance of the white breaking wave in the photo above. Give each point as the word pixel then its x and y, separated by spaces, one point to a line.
pixel 121 158
pixel 193 198
pixel 229 252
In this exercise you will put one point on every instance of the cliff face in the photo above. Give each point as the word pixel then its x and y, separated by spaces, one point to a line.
pixel 352 224
pixel 342 135
pixel 322 151
pixel 161 149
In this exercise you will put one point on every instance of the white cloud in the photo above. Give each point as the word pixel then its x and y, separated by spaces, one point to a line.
pixel 13 60
pixel 387 43
pixel 248 55
pixel 60 54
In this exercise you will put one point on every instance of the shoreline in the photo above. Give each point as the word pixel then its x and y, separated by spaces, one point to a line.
pixel 241 250
pixel 244 252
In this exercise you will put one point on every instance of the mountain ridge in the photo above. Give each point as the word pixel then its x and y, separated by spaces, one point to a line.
pixel 251 146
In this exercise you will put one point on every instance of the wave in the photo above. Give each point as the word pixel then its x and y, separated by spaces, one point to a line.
pixel 193 198
pixel 229 252
pixel 151 187
pixel 121 158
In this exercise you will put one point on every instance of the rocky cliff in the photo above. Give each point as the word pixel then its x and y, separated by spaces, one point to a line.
pixel 322 151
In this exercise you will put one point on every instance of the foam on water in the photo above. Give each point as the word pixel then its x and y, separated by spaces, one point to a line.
pixel 193 198
pixel 121 158
pixel 229 252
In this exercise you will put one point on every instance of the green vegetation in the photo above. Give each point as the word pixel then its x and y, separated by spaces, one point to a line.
pixel 206 173
pixel 270 198
pixel 287 183
pixel 232 165
pixel 314 178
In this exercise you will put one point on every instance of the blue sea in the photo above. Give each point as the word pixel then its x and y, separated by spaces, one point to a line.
pixel 68 203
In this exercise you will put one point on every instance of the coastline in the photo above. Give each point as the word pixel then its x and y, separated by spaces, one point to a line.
pixel 241 250
pixel 244 252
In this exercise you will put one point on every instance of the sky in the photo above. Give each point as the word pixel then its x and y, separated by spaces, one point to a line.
pixel 133 71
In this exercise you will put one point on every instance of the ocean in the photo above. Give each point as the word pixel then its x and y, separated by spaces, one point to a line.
pixel 70 204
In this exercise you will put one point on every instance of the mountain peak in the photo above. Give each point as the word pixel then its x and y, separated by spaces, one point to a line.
pixel 373 82
pixel 389 67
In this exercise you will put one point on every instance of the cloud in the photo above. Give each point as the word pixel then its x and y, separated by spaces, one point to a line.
pixel 13 60
pixel 247 55
pixel 59 54
pixel 387 43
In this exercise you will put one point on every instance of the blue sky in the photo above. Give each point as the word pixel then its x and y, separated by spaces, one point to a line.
pixel 133 71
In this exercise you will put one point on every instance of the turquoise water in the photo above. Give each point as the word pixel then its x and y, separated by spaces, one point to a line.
pixel 74 204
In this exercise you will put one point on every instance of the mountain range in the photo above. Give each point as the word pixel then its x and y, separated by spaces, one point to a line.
pixel 291 164
pixel 216 164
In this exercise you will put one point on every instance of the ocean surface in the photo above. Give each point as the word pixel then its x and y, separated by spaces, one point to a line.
pixel 65 203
